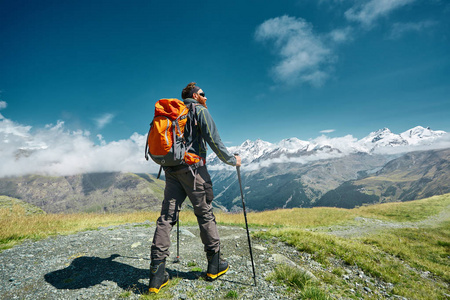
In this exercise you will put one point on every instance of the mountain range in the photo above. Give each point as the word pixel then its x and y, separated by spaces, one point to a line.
pixel 341 172
pixel 412 176
pixel 382 141
pixel 296 173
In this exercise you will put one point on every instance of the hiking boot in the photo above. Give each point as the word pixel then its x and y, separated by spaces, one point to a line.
pixel 216 266
pixel 158 276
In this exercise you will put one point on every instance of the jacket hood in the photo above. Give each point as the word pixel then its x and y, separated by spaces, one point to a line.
pixel 190 100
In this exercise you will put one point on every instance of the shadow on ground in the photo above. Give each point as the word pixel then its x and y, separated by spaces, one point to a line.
pixel 87 271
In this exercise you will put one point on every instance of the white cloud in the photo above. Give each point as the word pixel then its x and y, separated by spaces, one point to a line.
pixel 400 29
pixel 53 150
pixel 104 120
pixel 346 144
pixel 442 142
pixel 3 105
pixel 328 131
pixel 341 35
pixel 304 57
pixel 368 12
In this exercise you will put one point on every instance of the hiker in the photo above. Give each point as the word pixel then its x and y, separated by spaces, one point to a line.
pixel 181 181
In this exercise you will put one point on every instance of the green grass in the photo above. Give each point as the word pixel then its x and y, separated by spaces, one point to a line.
pixel 426 249
pixel 314 293
pixel 406 211
pixel 290 276
pixel 395 256
pixel 232 295
pixel 196 269
pixel 299 282
pixel 125 295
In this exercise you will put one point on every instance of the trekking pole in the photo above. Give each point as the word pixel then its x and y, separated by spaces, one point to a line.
pixel 246 224
pixel 176 260
pixel 178 239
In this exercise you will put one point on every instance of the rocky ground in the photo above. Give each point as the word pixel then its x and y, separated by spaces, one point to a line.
pixel 113 263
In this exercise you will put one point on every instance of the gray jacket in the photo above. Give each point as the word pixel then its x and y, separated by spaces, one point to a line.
pixel 205 131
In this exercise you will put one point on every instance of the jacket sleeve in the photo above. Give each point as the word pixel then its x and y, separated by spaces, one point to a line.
pixel 211 136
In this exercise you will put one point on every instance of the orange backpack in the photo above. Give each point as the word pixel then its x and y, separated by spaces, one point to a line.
pixel 166 144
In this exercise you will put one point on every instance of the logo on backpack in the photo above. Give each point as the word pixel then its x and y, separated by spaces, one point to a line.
pixel 166 144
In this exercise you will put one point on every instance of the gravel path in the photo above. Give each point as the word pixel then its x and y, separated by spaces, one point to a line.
pixel 113 263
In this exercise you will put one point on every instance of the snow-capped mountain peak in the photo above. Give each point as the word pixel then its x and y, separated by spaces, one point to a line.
pixel 418 134
pixel 293 144
pixel 248 151
pixel 294 149
pixel 255 149
pixel 382 138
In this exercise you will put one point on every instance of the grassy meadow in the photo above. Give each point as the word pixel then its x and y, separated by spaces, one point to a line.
pixel 398 255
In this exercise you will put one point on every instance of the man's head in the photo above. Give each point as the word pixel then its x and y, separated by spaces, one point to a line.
pixel 193 91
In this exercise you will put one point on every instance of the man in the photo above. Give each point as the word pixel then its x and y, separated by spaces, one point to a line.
pixel 182 182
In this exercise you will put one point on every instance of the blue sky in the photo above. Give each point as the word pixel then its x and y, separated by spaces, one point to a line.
pixel 270 69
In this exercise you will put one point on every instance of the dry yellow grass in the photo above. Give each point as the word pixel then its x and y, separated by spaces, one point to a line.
pixel 296 217
pixel 15 226
pixel 325 216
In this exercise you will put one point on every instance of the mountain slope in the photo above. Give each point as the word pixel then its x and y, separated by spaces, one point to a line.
pixel 94 192
pixel 287 185
pixel 415 175
pixel 18 206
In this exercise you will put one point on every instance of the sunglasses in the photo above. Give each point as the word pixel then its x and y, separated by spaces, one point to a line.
pixel 201 94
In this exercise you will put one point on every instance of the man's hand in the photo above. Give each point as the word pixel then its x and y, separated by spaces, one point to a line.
pixel 238 160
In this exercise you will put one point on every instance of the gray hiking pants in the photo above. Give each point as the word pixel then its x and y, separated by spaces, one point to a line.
pixel 180 184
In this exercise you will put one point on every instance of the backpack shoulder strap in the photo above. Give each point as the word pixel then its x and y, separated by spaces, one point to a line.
pixel 146 141
pixel 193 111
